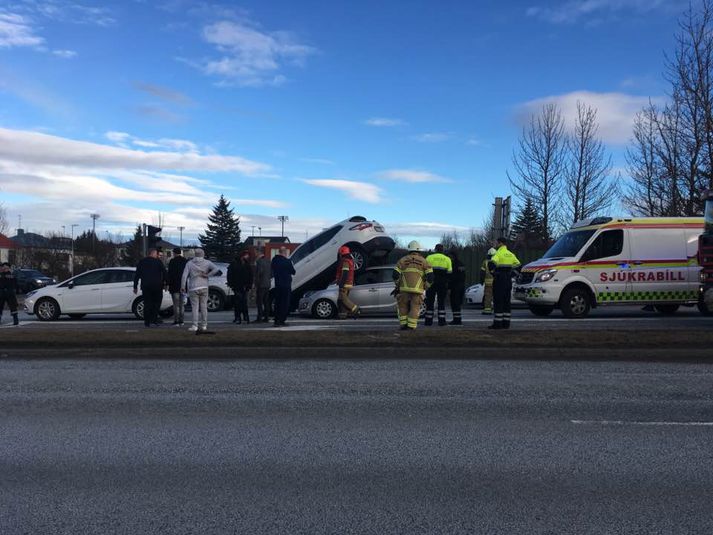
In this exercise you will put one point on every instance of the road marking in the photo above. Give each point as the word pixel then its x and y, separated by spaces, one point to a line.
pixel 651 424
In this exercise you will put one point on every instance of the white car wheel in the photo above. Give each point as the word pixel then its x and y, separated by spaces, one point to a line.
pixel 324 309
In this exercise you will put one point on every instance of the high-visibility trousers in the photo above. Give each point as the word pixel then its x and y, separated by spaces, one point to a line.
pixel 488 296
pixel 346 306
pixel 409 307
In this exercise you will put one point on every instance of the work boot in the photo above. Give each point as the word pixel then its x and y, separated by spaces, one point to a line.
pixel 404 327
pixel 495 326
pixel 455 321
pixel 428 322
pixel 441 322
pixel 506 325
pixel 247 319
pixel 487 312
pixel 15 319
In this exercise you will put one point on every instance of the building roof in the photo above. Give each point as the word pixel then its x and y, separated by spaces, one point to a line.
pixel 6 243
pixel 30 239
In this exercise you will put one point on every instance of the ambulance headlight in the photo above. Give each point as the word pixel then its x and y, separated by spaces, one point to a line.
pixel 545 275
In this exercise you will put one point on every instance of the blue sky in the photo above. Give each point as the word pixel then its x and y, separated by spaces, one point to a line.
pixel 404 112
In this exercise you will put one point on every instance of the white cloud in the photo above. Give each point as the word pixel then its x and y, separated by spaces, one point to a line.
pixel 65 54
pixel 384 121
pixel 26 146
pixel 251 57
pixel 615 111
pixel 16 31
pixel 409 175
pixel 361 191
pixel 594 10
pixel 177 145
pixel 432 137
pixel 423 229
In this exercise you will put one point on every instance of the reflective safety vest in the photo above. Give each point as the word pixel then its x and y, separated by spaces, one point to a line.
pixel 345 264
pixel 412 270
pixel 442 267
pixel 504 259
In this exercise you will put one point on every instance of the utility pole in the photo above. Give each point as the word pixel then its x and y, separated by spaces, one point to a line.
pixel 94 228
pixel 144 245
pixel 282 219
pixel 71 258
pixel 180 229
pixel 253 232
pixel 259 229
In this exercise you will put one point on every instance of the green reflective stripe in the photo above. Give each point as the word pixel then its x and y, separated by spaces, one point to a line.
pixel 345 268
pixel 668 295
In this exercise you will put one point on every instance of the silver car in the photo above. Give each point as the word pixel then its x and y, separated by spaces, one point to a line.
pixel 371 292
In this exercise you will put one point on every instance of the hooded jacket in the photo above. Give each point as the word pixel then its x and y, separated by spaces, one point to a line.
pixel 197 272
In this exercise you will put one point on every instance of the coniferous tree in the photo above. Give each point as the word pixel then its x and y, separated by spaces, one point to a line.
pixel 222 236
pixel 528 228
pixel 134 250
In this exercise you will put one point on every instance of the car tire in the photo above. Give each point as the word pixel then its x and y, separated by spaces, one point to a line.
pixel 138 308
pixel 359 257
pixel 422 309
pixel 666 310
pixel 216 300
pixel 324 309
pixel 541 310
pixel 703 309
pixel 575 303
pixel 76 316
pixel 47 309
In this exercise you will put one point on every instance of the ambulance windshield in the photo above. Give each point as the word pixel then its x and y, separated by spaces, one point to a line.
pixel 709 216
pixel 569 244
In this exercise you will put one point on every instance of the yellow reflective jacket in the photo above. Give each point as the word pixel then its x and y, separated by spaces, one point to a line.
pixel 411 273
pixel 503 258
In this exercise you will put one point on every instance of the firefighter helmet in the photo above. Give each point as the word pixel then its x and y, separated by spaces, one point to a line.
pixel 344 250
pixel 414 246
pixel 491 251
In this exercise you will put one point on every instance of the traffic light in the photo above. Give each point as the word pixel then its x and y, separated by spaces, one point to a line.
pixel 154 237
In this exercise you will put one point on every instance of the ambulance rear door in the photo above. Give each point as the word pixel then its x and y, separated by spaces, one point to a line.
pixel 659 265
pixel 605 263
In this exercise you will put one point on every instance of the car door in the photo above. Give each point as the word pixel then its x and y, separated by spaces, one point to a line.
pixel 606 266
pixel 82 294
pixel 117 292
pixel 365 292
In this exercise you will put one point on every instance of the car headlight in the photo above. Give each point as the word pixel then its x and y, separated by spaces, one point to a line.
pixel 702 276
pixel 545 275
pixel 308 294
pixel 473 288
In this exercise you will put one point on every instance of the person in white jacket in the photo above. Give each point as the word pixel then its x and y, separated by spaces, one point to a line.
pixel 195 280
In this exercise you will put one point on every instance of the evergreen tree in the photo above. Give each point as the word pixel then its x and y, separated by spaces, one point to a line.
pixel 528 228
pixel 134 250
pixel 222 236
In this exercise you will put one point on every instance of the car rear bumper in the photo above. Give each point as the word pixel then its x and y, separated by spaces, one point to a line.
pixel 380 244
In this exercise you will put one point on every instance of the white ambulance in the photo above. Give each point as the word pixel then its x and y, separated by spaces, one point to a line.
pixel 606 261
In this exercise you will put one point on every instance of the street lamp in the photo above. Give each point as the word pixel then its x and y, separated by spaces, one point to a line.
pixel 180 229
pixel 71 258
pixel 282 219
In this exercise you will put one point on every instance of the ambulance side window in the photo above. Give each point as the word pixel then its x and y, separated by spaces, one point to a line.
pixel 608 243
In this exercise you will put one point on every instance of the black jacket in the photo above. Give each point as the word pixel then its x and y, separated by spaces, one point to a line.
pixel 8 282
pixel 175 272
pixel 152 273
pixel 240 276
pixel 282 271
pixel 457 278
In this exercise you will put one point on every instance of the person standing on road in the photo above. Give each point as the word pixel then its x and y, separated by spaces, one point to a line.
pixel 486 279
pixel 456 284
pixel 442 270
pixel 8 292
pixel 502 264
pixel 282 271
pixel 175 274
pixel 195 280
pixel 152 274
pixel 240 279
pixel 412 276
pixel 345 281
pixel 262 285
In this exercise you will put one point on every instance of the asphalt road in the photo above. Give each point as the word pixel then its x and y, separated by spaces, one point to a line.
pixel 327 446
pixel 626 317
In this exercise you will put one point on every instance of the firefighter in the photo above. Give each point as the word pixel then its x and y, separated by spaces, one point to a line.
pixel 501 264
pixel 486 279
pixel 456 285
pixel 412 276
pixel 345 281
pixel 442 271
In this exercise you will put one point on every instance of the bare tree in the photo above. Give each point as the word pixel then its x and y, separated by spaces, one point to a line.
pixel 588 189
pixel 642 194
pixel 539 162
pixel 4 224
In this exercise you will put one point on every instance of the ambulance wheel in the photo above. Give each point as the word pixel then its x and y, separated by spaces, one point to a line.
pixel 575 303
pixel 703 309
pixel 667 310
pixel 541 310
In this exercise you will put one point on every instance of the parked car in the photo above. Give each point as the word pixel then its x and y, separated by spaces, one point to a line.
pixel 316 258
pixel 100 291
pixel 371 292
pixel 31 279
pixel 474 295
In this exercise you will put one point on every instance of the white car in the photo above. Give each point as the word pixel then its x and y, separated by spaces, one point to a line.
pixel 100 291
pixel 315 259
pixel 474 296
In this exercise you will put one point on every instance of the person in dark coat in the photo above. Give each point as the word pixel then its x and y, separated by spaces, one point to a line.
pixel 282 271
pixel 175 272
pixel 263 272
pixel 152 274
pixel 8 292
pixel 456 285
pixel 240 279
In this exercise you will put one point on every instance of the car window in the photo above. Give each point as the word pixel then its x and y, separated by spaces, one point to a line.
pixel 120 275
pixel 303 250
pixel 324 237
pixel 367 277
pixel 94 277
pixel 387 275
pixel 608 243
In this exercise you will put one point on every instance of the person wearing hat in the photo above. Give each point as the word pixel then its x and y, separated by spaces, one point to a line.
pixel 486 279
pixel 502 265
pixel 240 279
pixel 412 276
pixel 175 273
pixel 8 292
pixel 345 281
